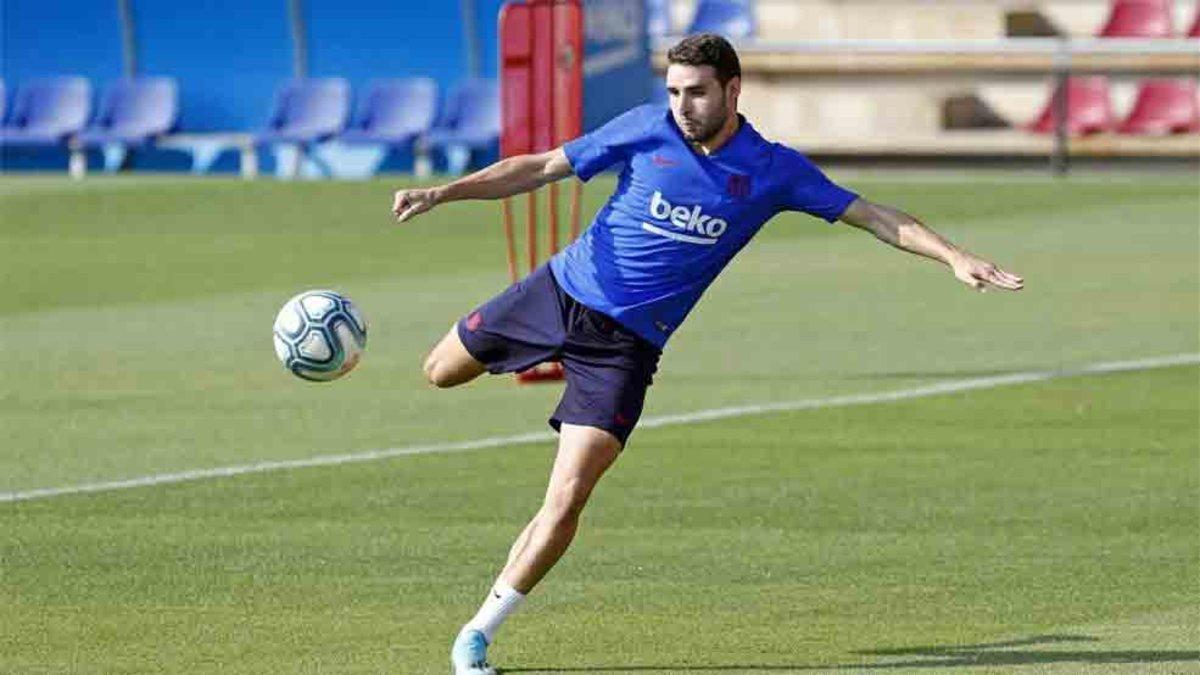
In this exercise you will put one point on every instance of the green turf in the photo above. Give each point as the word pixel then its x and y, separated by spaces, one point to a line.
pixel 136 313
pixel 938 533
pixel 906 531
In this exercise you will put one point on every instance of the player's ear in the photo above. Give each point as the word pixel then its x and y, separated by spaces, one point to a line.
pixel 733 88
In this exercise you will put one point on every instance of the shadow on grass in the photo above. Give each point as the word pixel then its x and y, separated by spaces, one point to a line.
pixel 959 656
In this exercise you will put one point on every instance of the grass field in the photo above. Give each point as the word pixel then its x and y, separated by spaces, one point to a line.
pixel 1043 527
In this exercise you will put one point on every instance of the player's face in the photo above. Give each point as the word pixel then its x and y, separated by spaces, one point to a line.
pixel 699 104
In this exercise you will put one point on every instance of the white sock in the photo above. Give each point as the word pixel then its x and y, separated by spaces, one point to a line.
pixel 501 601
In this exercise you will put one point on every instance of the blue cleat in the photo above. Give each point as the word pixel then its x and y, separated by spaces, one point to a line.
pixel 468 656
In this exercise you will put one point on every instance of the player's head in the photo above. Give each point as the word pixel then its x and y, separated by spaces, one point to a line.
pixel 704 78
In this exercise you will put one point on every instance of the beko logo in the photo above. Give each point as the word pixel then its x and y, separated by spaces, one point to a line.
pixel 684 219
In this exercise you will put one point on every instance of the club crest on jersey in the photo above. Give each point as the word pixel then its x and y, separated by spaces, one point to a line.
pixel 474 321
pixel 691 225
pixel 738 186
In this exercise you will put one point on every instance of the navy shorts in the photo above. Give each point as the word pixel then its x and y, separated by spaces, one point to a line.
pixel 608 367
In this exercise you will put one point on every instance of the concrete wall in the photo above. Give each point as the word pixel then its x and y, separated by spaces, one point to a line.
pixel 64 37
pixel 227 56
pixel 916 19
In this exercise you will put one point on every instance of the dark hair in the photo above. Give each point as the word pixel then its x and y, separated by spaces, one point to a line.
pixel 707 49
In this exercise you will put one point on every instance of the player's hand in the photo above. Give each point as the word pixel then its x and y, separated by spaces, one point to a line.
pixel 980 274
pixel 408 203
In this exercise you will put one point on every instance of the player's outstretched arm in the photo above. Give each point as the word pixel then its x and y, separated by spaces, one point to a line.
pixel 508 177
pixel 907 233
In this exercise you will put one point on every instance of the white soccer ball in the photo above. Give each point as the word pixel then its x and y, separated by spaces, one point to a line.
pixel 319 335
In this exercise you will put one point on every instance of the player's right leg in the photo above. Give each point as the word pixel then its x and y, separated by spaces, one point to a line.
pixel 450 364
pixel 519 328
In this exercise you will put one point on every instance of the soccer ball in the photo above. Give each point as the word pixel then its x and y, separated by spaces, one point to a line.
pixel 319 335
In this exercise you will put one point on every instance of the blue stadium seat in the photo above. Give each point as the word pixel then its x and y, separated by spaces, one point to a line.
pixel 133 111
pixel 470 120
pixel 3 101
pixel 729 18
pixel 48 111
pixel 394 112
pixel 306 111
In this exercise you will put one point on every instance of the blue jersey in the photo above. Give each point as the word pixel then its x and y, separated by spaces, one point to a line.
pixel 677 216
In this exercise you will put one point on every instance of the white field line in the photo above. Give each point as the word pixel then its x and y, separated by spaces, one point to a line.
pixel 935 389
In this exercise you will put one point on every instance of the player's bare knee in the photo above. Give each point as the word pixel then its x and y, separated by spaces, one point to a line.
pixel 438 374
pixel 427 367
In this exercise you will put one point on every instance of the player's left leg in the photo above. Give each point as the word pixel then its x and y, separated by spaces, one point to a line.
pixel 584 454
pixel 450 364
pixel 515 330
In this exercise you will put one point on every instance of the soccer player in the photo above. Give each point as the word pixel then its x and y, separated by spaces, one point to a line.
pixel 698 182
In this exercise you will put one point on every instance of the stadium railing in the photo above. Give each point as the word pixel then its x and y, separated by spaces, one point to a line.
pixel 1013 58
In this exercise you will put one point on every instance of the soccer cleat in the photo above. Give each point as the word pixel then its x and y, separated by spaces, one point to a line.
pixel 468 656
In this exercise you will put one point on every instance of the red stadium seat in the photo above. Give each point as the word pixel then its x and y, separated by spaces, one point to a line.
pixel 1089 108
pixel 1194 31
pixel 1139 19
pixel 1164 107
